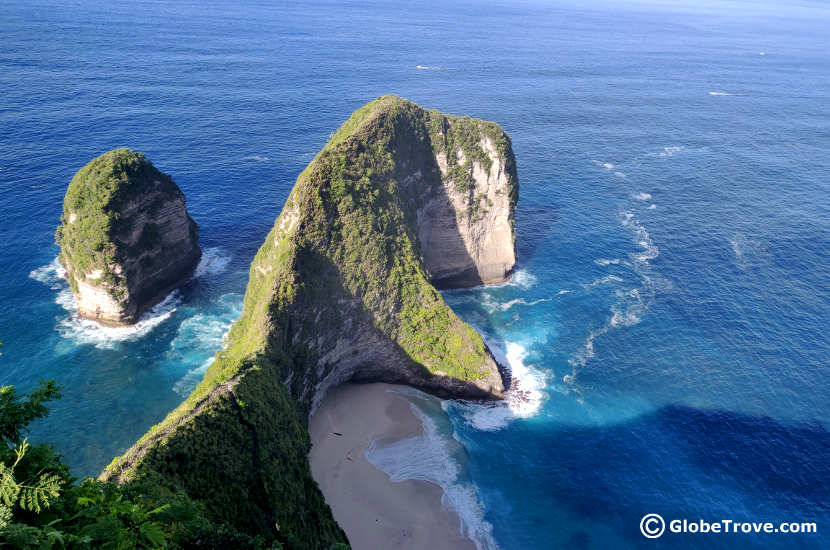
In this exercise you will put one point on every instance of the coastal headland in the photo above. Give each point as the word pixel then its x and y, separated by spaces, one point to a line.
pixel 400 201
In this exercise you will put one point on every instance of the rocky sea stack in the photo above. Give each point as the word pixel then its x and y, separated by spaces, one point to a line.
pixel 125 236
pixel 343 289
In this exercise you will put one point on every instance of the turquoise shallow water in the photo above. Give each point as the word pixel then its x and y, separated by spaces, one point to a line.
pixel 667 322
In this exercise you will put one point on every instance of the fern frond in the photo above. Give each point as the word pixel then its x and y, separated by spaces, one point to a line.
pixel 36 497
pixel 9 488
pixel 5 516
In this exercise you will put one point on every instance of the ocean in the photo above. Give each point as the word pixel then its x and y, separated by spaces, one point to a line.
pixel 667 322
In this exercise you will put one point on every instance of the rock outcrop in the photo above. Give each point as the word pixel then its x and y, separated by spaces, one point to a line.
pixel 343 289
pixel 125 236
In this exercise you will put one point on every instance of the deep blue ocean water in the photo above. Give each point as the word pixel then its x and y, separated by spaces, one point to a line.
pixel 668 319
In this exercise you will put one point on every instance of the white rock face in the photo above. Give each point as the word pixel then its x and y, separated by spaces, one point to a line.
pixel 466 235
pixel 151 242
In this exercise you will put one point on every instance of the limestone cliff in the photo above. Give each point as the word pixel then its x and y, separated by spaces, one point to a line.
pixel 125 236
pixel 343 290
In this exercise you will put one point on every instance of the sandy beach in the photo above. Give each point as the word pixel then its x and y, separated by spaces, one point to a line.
pixel 375 512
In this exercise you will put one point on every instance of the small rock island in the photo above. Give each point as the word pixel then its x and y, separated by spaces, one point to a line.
pixel 126 238
pixel 400 201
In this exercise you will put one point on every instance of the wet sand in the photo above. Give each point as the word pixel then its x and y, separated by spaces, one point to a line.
pixel 375 512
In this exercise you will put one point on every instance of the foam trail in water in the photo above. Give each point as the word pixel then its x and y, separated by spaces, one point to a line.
pixel 433 457
pixel 258 158
pixel 630 305
pixel 491 305
pixel 641 196
pixel 719 93
pixel 601 281
pixel 603 261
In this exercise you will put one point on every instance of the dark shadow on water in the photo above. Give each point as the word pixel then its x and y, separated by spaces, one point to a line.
pixel 678 461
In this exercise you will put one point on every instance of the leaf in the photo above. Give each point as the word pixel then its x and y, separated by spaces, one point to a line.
pixel 158 510
pixel 154 534
pixel 5 516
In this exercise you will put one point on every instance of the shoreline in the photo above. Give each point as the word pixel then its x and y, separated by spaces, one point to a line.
pixel 374 511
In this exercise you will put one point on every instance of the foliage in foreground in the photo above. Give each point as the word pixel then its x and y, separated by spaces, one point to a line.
pixel 41 506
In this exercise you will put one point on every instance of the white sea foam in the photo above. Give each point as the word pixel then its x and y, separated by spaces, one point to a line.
pixel 630 305
pixel 628 310
pixel 87 331
pixel 607 165
pixel 585 353
pixel 427 68
pixel 743 247
pixel 719 93
pixel 492 305
pixel 642 238
pixel 602 281
pixel 565 291
pixel 195 334
pixel 667 152
pixel 522 400
pixel 620 175
pixel 52 275
pixel 190 380
pixel 652 207
pixel 603 261
pixel 213 261
pixel 434 457
pixel 521 278
pixel 641 196
pixel 257 158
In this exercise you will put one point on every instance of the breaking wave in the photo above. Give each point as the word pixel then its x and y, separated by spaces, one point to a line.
pixel 86 331
pixel 435 456
pixel 521 278
pixel 522 400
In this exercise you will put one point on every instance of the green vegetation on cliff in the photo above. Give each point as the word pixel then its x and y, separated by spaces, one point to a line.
pixel 43 507
pixel 341 262
pixel 92 205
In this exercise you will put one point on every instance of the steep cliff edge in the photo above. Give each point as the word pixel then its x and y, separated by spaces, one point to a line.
pixel 342 290
pixel 125 236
